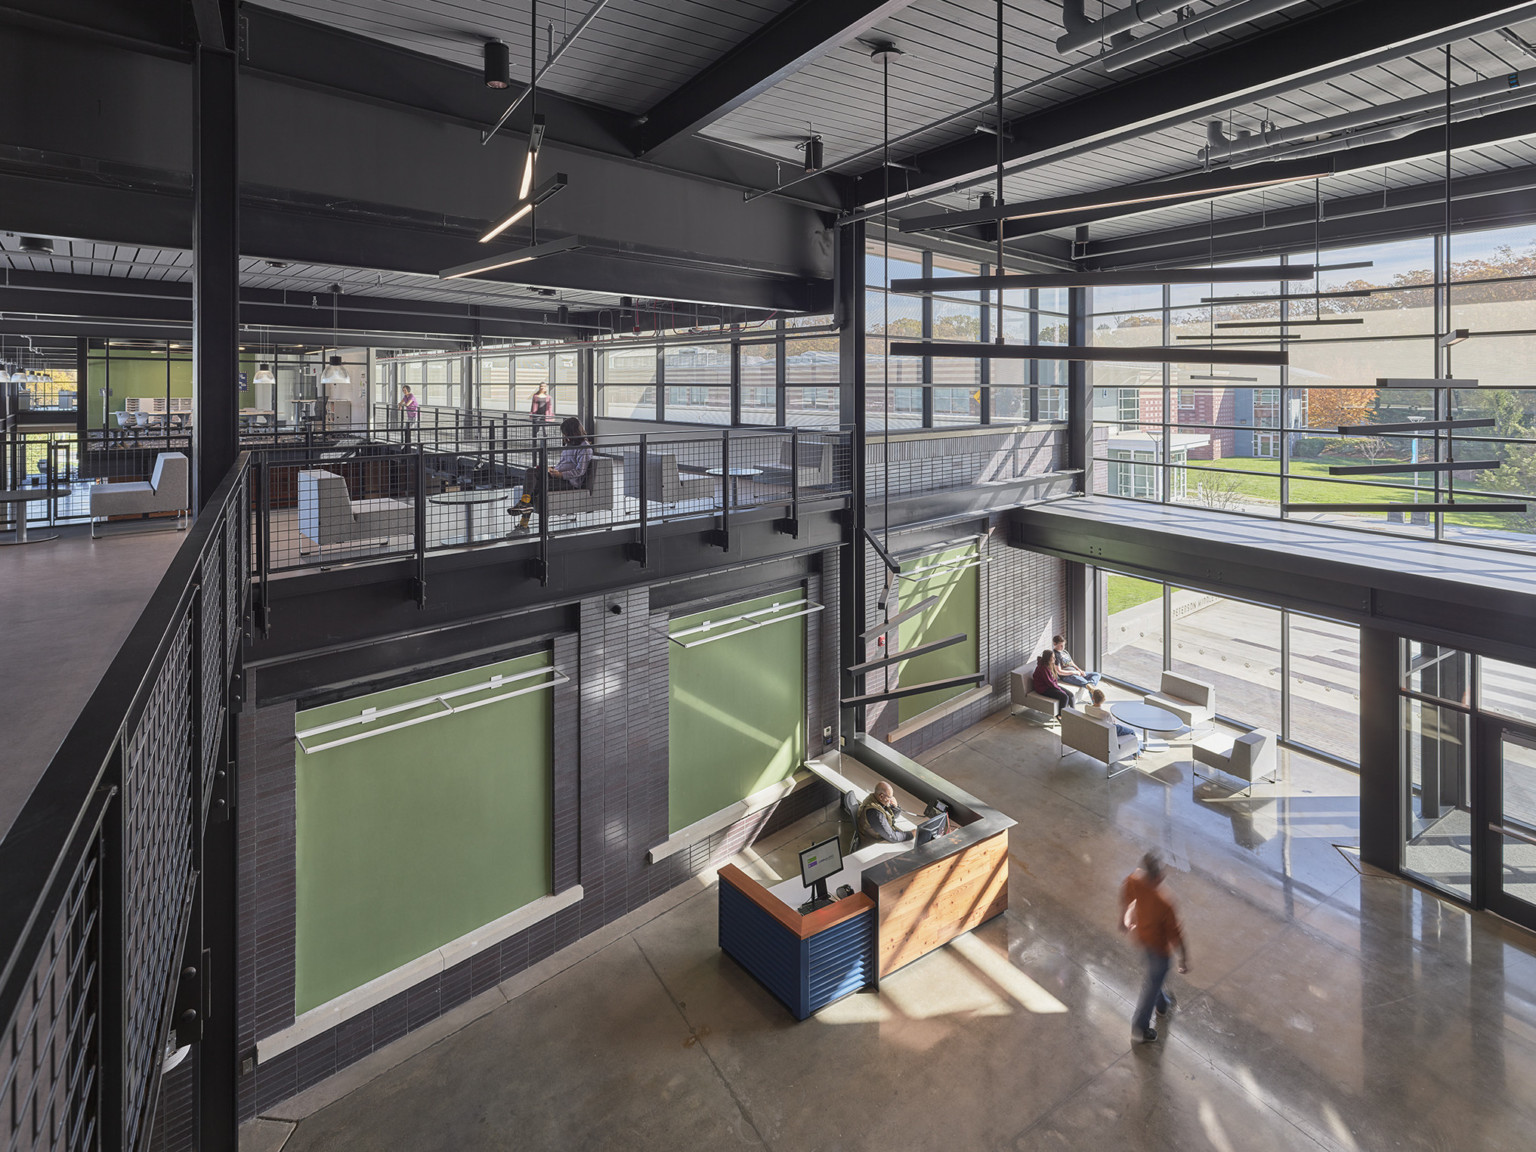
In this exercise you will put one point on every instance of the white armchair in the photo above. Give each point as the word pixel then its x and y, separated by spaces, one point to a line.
pixel 1192 701
pixel 168 490
pixel 1022 694
pixel 329 515
pixel 1094 737
pixel 1250 757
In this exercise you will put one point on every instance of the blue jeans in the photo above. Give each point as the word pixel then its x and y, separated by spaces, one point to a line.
pixel 1083 680
pixel 1123 730
pixel 1152 994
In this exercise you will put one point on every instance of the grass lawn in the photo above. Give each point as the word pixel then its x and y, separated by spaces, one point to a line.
pixel 1259 480
pixel 1126 592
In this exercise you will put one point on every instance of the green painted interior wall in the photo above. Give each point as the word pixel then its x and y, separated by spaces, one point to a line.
pixel 138 373
pixel 958 610
pixel 736 715
pixel 411 839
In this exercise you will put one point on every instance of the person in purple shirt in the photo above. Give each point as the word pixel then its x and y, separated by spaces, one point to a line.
pixel 570 472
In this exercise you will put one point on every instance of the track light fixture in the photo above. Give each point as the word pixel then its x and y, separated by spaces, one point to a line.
pixel 498 64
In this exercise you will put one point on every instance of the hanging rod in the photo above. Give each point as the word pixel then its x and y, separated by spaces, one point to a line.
pixel 1150 354
pixel 1233 274
pixel 1397 468
pixel 369 715
pixel 1421 426
pixel 901 617
pixel 751 623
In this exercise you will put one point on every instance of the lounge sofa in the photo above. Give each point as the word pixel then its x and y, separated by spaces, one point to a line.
pixel 329 515
pixel 1192 701
pixel 665 484
pixel 596 494
pixel 1094 737
pixel 1249 757
pixel 1023 695
pixel 168 490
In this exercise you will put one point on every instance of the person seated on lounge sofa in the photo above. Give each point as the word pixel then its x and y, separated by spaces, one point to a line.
pixel 1097 709
pixel 1045 682
pixel 1068 672
pixel 570 472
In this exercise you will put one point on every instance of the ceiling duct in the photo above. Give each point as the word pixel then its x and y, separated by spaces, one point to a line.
pixel 1391 131
pixel 1187 32
pixel 1219 147
pixel 1085 33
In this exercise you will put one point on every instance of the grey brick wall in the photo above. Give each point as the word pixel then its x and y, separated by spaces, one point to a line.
pixel 609 809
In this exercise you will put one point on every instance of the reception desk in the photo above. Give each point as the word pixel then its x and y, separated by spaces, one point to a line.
pixel 907 901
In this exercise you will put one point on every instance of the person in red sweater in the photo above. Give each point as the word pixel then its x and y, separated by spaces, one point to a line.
pixel 1147 914
pixel 1045 682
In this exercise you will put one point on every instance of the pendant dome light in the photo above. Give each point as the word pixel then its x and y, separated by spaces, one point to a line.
pixel 335 374
pixel 264 375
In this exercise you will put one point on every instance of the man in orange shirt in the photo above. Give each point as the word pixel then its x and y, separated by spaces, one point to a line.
pixel 1146 913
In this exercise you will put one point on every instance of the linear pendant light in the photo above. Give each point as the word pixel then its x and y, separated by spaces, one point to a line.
pixel 1350 294
pixel 507 259
pixel 527 204
pixel 1233 274
pixel 1155 354
pixel 1149 193
pixel 1289 323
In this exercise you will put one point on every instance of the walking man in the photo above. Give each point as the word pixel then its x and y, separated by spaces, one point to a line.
pixel 1146 913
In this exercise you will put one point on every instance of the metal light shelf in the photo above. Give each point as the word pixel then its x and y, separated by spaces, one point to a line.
pixel 1421 426
pixel 752 623
pixel 1148 354
pixel 1441 506
pixel 1397 468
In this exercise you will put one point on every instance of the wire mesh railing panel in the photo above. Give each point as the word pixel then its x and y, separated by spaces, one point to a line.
pixel 920 464
pixel 333 505
pixel 211 658
pixel 50 1065
pixel 237 563
pixel 157 870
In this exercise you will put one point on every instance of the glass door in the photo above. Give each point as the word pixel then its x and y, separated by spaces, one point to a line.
pixel 1510 846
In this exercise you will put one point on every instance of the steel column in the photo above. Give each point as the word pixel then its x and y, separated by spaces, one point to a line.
pixel 848 292
pixel 216 268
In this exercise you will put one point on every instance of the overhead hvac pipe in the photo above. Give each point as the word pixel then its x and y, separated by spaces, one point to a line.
pixel 1191 31
pixel 1395 131
pixel 1085 33
pixel 1220 147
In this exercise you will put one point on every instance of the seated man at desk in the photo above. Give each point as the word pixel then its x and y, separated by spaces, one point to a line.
pixel 877 817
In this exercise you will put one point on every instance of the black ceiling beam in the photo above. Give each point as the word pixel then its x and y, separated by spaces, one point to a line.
pixel 786 44
pixel 1199 85
pixel 289 47
pixel 1484 130
pixel 215 23
pixel 1293 230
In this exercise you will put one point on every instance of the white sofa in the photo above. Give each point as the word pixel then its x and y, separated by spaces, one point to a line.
pixel 595 495
pixel 329 515
pixel 1094 737
pixel 1022 694
pixel 169 490
pixel 1192 701
pixel 665 484
pixel 1249 757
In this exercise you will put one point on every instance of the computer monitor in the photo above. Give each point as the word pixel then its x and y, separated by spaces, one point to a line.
pixel 931 827
pixel 817 863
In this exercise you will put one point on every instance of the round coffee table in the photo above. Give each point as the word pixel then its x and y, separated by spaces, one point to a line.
pixel 19 499
pixel 1149 719
pixel 736 475
pixel 469 500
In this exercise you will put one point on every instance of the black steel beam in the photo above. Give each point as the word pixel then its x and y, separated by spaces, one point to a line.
pixel 1200 84
pixel 215 22
pixel 912 690
pixel 787 43
pixel 216 262
pixel 896 657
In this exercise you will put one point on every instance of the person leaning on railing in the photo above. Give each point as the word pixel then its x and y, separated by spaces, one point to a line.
pixel 575 459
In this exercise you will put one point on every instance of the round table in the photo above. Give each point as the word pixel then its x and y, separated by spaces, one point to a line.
pixel 736 475
pixel 1148 718
pixel 469 499
pixel 22 497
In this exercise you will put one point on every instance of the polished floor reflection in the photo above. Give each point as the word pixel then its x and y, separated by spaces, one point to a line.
pixel 1327 1007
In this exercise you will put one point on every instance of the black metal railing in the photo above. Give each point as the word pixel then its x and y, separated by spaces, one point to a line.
pixel 101 867
pixel 379 499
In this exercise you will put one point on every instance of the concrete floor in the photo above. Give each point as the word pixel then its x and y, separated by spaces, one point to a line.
pixel 66 607
pixel 1327 1007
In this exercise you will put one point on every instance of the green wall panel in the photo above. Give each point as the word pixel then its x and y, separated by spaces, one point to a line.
pixel 412 838
pixel 736 715
pixel 958 610
pixel 138 373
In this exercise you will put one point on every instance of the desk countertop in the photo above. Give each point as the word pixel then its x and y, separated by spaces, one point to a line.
pixel 794 893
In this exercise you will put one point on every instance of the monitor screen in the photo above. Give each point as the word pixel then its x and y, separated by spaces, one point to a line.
pixel 820 861
pixel 931 828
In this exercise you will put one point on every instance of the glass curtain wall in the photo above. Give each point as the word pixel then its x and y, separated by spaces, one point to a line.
pixel 1253 440
pixel 964 392
pixel 1295 675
